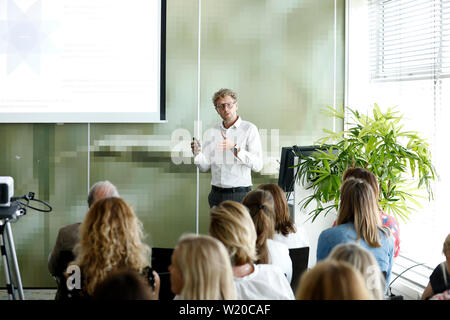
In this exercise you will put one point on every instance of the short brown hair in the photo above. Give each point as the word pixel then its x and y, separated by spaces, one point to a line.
pixel 223 93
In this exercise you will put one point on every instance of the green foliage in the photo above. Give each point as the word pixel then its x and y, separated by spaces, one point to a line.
pixel 400 160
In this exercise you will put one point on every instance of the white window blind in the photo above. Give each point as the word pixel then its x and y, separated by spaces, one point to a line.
pixel 409 39
pixel 399 56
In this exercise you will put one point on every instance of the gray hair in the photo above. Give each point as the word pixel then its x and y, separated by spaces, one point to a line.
pixel 364 261
pixel 100 190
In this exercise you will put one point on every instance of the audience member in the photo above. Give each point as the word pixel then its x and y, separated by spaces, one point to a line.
pixel 332 280
pixel 201 269
pixel 365 263
pixel 359 221
pixel 441 296
pixel 110 239
pixel 125 285
pixel 260 204
pixel 232 225
pixel 440 277
pixel 68 236
pixel 386 220
pixel 285 229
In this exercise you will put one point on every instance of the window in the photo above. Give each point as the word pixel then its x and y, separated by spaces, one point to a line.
pixel 398 54
pixel 409 39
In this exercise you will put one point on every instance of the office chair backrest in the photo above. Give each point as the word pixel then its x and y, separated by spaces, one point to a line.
pixel 65 257
pixel 299 257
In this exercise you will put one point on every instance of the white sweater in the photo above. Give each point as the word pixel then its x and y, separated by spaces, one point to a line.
pixel 279 256
pixel 267 282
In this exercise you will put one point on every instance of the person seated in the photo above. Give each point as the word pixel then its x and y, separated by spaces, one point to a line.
pixel 332 280
pixel 68 236
pixel 201 269
pixel 365 263
pixel 110 239
pixel 386 220
pixel 230 222
pixel 125 285
pixel 441 296
pixel 440 277
pixel 285 229
pixel 359 221
pixel 261 207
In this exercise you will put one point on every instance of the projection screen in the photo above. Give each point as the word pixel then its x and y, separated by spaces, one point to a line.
pixel 82 61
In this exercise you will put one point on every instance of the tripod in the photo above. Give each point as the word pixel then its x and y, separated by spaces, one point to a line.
pixel 7 239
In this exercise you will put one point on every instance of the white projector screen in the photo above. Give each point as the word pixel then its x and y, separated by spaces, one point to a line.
pixel 82 61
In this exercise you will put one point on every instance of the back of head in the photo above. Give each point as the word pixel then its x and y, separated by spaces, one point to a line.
pixel 332 280
pixel 283 222
pixel 123 285
pixel 232 225
pixel 100 190
pixel 364 261
pixel 205 267
pixel 261 207
pixel 110 238
pixel 446 247
pixel 358 204
pixel 363 174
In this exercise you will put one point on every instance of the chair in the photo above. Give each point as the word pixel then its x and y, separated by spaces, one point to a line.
pixel 299 257
pixel 65 257
pixel 161 259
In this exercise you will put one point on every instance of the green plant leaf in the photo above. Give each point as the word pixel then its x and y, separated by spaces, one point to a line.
pixel 375 141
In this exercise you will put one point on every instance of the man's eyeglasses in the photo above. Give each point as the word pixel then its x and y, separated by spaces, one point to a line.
pixel 225 105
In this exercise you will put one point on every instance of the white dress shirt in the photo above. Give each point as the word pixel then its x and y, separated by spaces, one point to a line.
pixel 279 256
pixel 292 240
pixel 266 282
pixel 227 170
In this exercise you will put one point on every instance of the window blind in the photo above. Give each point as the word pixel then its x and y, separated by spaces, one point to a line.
pixel 409 39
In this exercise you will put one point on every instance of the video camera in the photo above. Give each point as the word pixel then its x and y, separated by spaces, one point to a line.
pixel 6 191
pixel 12 207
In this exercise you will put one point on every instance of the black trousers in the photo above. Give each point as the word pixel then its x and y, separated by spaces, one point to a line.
pixel 216 197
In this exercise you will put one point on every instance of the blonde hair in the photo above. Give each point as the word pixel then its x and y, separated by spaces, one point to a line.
pixel 364 261
pixel 232 225
pixel 358 204
pixel 110 239
pixel 205 268
pixel 222 93
pixel 332 280
pixel 446 246
pixel 261 207
pixel 283 221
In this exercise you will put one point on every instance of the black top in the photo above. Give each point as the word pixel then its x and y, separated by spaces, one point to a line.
pixel 440 279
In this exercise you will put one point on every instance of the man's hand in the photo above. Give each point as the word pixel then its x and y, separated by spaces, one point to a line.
pixel 226 144
pixel 195 147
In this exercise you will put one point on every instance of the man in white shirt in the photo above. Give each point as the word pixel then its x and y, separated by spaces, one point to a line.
pixel 232 149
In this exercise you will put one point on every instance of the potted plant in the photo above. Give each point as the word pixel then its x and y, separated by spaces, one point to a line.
pixel 400 159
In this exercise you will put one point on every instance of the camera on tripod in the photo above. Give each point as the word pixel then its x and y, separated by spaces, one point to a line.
pixel 6 191
pixel 12 208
